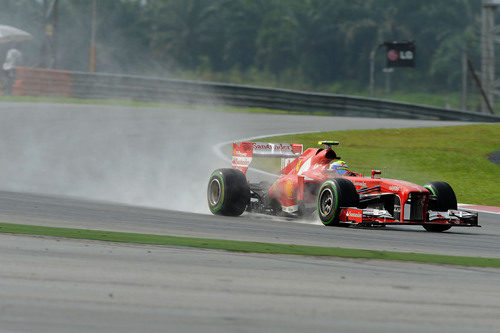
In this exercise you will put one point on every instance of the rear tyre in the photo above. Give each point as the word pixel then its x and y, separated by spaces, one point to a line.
pixel 445 200
pixel 228 192
pixel 333 195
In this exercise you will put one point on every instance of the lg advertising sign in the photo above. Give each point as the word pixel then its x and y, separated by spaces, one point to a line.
pixel 400 54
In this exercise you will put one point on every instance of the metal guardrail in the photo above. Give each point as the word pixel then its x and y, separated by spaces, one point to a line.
pixel 87 85
pixel 100 85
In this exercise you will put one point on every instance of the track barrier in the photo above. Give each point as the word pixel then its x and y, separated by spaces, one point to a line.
pixel 42 82
pixel 46 82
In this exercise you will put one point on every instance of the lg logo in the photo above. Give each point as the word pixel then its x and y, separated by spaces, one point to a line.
pixel 400 54
pixel 406 55
pixel 394 55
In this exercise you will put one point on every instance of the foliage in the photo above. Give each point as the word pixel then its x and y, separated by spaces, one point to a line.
pixel 306 44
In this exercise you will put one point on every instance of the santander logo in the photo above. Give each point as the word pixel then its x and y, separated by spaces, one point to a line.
pixel 262 146
pixel 272 147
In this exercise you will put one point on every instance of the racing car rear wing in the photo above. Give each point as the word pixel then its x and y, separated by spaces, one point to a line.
pixel 243 153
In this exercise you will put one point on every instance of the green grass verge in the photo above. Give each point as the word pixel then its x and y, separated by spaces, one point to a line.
pixel 444 100
pixel 243 246
pixel 457 155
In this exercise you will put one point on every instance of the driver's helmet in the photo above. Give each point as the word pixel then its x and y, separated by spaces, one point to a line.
pixel 339 167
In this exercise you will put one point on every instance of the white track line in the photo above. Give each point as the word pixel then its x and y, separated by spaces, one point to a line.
pixel 466 207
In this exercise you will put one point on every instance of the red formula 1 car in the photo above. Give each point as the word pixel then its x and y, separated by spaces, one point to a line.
pixel 318 181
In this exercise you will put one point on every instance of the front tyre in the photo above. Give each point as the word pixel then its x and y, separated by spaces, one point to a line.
pixel 228 192
pixel 436 228
pixel 333 195
pixel 444 198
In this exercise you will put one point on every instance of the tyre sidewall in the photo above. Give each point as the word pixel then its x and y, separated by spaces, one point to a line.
pixel 345 195
pixel 219 205
pixel 234 192
pixel 331 218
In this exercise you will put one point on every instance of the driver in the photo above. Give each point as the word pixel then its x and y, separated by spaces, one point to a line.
pixel 339 167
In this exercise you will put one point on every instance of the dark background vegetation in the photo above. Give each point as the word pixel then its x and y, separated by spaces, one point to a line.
pixel 320 45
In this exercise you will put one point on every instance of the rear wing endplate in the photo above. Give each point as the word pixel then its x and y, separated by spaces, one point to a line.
pixel 243 152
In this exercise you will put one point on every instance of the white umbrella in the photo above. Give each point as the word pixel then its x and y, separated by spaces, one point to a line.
pixel 11 34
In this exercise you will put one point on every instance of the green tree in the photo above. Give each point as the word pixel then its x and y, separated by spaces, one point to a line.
pixel 181 29
pixel 309 44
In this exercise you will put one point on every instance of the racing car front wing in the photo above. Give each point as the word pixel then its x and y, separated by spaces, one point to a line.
pixel 373 217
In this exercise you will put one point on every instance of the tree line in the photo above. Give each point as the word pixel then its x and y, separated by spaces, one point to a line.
pixel 304 44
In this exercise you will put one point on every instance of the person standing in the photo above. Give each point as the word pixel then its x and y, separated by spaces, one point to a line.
pixel 13 59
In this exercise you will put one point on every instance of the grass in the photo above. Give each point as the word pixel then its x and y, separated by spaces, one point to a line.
pixel 244 246
pixel 457 155
pixel 134 103
pixel 450 100
pixel 119 102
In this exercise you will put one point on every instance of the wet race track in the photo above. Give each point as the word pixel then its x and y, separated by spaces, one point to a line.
pixel 153 165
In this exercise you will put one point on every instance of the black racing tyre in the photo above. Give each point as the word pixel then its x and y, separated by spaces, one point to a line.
pixel 436 228
pixel 444 194
pixel 332 196
pixel 228 192
pixel 445 199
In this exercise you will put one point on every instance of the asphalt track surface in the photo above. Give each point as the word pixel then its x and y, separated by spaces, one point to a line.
pixel 162 158
pixel 25 208
pixel 49 285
